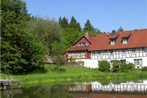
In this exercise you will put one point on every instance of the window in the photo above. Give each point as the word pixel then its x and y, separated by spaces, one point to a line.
pixel 123 61
pixel 111 52
pixel 134 50
pixel 138 61
pixel 83 44
pixel 125 40
pixel 112 41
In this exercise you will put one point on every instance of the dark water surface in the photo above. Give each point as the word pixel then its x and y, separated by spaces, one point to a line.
pixel 80 90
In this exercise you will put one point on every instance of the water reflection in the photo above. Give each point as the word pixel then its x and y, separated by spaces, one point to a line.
pixel 81 90
pixel 43 91
pixel 126 87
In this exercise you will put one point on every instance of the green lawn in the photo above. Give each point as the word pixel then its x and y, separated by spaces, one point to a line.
pixel 71 73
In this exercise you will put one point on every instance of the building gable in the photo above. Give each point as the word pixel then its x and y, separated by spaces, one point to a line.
pixel 82 42
pixel 81 45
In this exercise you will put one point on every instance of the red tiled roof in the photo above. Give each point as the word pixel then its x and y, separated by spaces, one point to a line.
pixel 125 34
pixel 78 48
pixel 113 35
pixel 75 47
pixel 136 38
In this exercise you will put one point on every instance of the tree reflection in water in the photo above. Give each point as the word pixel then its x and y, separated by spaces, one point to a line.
pixel 43 91
pixel 76 90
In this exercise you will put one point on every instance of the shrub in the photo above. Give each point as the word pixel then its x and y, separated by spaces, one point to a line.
pixel 144 69
pixel 130 66
pixel 120 67
pixel 116 66
pixel 104 66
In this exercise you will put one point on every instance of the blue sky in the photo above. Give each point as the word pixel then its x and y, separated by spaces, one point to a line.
pixel 106 15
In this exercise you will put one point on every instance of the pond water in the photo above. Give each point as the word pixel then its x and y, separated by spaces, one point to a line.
pixel 93 89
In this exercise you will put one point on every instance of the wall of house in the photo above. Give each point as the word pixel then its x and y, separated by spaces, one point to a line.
pixel 77 55
pixel 93 63
pixel 145 61
pixel 123 54
pixel 128 54
pixel 89 63
pixel 119 54
pixel 131 60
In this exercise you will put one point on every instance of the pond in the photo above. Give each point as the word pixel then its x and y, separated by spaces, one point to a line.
pixel 94 89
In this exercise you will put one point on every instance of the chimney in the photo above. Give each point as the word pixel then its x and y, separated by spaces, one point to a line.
pixel 86 34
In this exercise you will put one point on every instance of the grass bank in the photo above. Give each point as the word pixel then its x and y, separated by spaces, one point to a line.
pixel 71 73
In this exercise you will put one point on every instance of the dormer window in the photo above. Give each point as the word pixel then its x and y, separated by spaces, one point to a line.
pixel 113 38
pixel 112 41
pixel 124 40
pixel 125 37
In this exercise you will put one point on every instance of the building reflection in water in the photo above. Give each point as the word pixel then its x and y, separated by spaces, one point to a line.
pixel 111 90
pixel 80 90
pixel 111 87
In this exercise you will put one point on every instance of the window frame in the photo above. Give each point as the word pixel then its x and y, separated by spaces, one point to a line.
pixel 138 62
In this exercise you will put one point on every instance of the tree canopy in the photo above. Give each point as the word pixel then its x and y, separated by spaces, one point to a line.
pixel 46 31
pixel 88 28
pixel 20 51
pixel 74 24
pixel 63 22
pixel 26 40
pixel 120 29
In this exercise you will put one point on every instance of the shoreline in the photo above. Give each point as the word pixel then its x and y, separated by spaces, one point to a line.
pixel 72 74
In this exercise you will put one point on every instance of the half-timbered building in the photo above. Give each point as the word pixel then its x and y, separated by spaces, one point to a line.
pixel 126 46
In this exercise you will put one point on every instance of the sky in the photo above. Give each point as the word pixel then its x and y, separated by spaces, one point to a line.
pixel 106 15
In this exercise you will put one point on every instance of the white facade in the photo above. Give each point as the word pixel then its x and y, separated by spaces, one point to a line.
pixel 137 56
pixel 127 86
pixel 76 55
pixel 89 63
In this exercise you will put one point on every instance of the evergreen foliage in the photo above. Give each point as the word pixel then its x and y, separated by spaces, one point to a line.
pixel 71 35
pixel 113 31
pixel 74 24
pixel 20 51
pixel 88 28
pixel 120 29
pixel 63 22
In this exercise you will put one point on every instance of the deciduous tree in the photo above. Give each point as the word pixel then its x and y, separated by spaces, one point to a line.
pixel 47 31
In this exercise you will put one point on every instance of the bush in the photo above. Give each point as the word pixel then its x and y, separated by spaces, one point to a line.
pixel 116 66
pixel 130 66
pixel 104 66
pixel 144 69
pixel 120 67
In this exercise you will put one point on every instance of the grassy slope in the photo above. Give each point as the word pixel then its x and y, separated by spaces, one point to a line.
pixel 75 74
